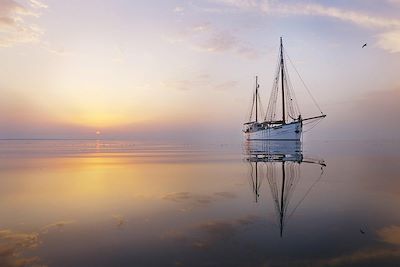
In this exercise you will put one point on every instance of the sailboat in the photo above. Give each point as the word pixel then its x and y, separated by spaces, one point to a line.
pixel 290 125
pixel 279 162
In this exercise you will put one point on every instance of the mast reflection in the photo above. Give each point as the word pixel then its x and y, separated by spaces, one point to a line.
pixel 279 162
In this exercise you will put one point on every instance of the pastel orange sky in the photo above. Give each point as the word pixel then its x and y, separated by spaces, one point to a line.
pixel 185 69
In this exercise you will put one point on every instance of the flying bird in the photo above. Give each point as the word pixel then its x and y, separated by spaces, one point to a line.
pixel 364 45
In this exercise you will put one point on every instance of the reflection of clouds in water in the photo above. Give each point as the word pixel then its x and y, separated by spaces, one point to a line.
pixel 248 219
pixel 209 233
pixel 367 257
pixel 27 240
pixel 119 220
pixel 175 235
pixel 13 244
pixel 197 199
pixel 226 194
pixel 186 196
pixel 390 234
pixel 220 229
pixel 389 256
pixel 57 225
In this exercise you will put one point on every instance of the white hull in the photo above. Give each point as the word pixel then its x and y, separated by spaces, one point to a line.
pixel 290 131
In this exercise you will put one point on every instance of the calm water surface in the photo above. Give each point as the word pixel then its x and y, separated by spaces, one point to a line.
pixel 121 203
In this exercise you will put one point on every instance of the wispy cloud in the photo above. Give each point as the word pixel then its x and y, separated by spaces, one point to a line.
pixel 37 4
pixel 224 86
pixel 200 81
pixel 388 28
pixel 389 41
pixel 355 17
pixel 179 9
pixel 243 4
pixel 207 37
pixel 15 24
pixel 394 2
pixel 218 42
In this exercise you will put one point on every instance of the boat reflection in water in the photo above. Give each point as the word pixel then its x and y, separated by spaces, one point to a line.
pixel 279 162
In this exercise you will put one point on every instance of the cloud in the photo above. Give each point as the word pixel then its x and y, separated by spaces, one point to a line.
pixel 394 2
pixel 179 9
pixel 312 9
pixel 243 4
pixel 37 4
pixel 390 41
pixel 15 27
pixel 223 41
pixel 119 54
pixel 200 81
pixel 206 37
pixel 355 17
pixel 218 42
pixel 197 81
pixel 224 86
pixel 389 28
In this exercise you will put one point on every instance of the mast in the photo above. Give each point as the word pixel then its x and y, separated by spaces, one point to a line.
pixel 256 100
pixel 282 210
pixel 283 84
pixel 256 188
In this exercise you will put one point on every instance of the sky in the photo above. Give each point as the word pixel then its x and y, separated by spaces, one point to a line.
pixel 184 70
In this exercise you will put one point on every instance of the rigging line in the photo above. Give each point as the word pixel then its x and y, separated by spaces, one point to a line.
pixel 260 106
pixel 291 183
pixel 261 179
pixel 313 125
pixel 308 191
pixel 308 90
pixel 288 94
pixel 292 92
pixel 252 107
pixel 289 101
pixel 273 186
pixel 251 180
pixel 311 121
pixel 272 100
pixel 271 109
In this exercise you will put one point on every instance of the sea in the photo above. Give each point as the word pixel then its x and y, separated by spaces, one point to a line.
pixel 84 203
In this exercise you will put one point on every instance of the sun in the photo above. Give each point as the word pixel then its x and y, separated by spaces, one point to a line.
pixel 98 132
